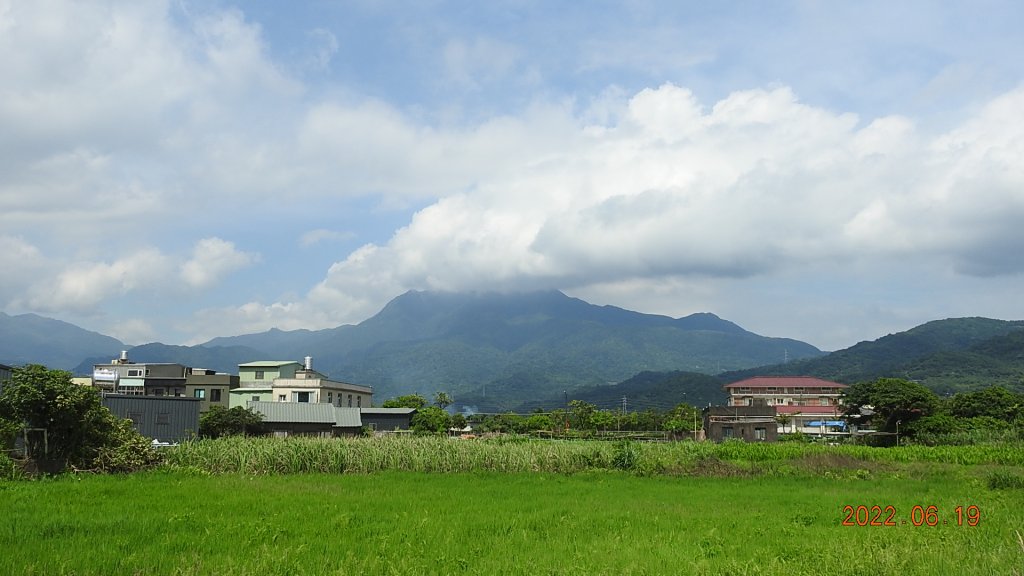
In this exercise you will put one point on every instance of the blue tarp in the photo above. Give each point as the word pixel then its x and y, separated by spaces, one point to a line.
pixel 838 423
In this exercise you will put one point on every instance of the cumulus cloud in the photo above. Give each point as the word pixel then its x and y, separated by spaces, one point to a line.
pixel 81 287
pixel 212 259
pixel 756 184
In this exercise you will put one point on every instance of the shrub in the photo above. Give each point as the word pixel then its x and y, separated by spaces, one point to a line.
pixel 1002 480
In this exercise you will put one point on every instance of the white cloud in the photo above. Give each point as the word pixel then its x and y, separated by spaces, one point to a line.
pixel 212 259
pixel 753 186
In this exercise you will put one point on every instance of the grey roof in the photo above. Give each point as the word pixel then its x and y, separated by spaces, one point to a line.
pixel 401 411
pixel 295 412
pixel 308 413
pixel 268 364
pixel 347 418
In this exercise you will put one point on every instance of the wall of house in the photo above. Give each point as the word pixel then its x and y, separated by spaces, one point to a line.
pixel 242 396
pixel 248 374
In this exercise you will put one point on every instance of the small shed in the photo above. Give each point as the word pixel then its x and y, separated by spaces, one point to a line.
pixel 162 418
pixel 285 419
pixel 387 419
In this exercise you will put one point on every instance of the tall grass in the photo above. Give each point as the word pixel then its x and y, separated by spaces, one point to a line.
pixel 439 454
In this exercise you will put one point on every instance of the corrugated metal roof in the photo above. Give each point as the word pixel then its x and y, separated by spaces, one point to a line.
pixel 268 363
pixel 401 411
pixel 785 381
pixel 295 412
pixel 347 418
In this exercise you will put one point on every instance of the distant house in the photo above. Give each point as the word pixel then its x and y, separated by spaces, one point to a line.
pixel 162 418
pixel 285 419
pixel 122 376
pixel 294 382
pixel 5 374
pixel 210 387
pixel 387 419
pixel 748 423
pixel 812 405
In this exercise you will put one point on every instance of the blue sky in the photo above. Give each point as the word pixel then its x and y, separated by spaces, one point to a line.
pixel 828 171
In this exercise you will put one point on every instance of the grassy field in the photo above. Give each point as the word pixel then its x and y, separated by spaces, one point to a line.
pixel 599 522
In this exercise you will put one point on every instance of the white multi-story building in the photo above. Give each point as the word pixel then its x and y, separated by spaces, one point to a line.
pixel 289 381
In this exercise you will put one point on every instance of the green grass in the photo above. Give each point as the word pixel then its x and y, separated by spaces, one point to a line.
pixel 175 522
pixel 520 454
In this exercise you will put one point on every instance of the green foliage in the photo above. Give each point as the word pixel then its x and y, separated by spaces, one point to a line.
pixel 994 402
pixel 9 469
pixel 1005 480
pixel 220 421
pixel 626 455
pixel 408 401
pixel 893 400
pixel 430 420
pixel 80 432
pixel 442 400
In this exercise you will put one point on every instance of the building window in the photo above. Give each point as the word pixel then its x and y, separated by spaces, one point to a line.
pixel 163 418
pixel 301 397
pixel 727 432
pixel 136 418
pixel 199 393
pixel 255 398
pixel 349 400
pixel 760 434
pixel 134 372
pixel 281 398
pixel 330 397
pixel 259 375
pixel 359 401
pixel 158 392
pixel 215 395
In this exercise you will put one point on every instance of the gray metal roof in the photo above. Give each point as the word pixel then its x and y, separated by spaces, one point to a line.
pixel 295 412
pixel 308 413
pixel 401 411
pixel 347 418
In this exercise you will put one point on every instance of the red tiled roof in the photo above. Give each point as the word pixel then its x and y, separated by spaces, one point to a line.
pixel 785 382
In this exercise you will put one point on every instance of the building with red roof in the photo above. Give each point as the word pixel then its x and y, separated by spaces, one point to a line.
pixel 813 405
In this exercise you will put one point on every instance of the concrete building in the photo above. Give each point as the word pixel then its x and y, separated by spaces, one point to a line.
pixel 294 382
pixel 811 405
pixel 747 423
pixel 210 387
pixel 122 376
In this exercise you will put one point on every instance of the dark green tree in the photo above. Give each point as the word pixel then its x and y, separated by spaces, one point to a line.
pixel 893 400
pixel 994 401
pixel 430 420
pixel 220 421
pixel 442 400
pixel 407 401
pixel 79 430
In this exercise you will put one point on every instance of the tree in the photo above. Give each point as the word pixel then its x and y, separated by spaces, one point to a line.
pixel 221 421
pixel 994 401
pixel 408 401
pixel 442 400
pixel 784 420
pixel 582 414
pixel 79 430
pixel 430 420
pixel 893 400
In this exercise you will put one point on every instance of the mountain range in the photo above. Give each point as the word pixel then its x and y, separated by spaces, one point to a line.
pixel 522 351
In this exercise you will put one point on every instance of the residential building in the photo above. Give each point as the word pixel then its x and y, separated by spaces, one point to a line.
pixel 242 396
pixel 294 382
pixel 748 423
pixel 811 405
pixel 5 374
pixel 162 418
pixel 210 387
pixel 122 376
